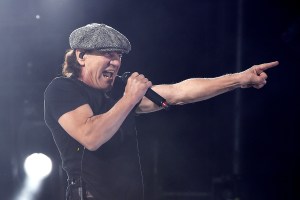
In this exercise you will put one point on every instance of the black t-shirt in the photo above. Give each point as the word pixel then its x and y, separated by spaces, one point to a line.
pixel 112 172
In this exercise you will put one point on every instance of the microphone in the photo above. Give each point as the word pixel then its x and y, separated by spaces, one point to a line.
pixel 150 94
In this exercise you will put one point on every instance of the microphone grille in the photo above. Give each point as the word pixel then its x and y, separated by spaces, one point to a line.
pixel 125 76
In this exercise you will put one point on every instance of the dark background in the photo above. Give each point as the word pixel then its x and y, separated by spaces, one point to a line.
pixel 241 145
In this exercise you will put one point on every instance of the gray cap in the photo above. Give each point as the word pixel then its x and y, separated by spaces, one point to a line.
pixel 99 37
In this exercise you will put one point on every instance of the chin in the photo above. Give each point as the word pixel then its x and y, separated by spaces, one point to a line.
pixel 107 88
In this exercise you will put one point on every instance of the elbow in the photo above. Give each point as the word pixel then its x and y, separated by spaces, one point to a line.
pixel 177 103
pixel 92 139
pixel 91 147
pixel 91 144
pixel 179 96
pixel 186 98
pixel 179 100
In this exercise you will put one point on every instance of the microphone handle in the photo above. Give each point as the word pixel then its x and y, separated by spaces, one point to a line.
pixel 157 99
pixel 150 94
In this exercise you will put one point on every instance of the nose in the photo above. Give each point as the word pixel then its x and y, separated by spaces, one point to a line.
pixel 115 56
pixel 115 61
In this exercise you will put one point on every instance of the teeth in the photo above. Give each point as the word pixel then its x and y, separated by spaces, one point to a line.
pixel 107 74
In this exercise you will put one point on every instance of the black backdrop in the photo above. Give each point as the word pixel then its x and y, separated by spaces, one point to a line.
pixel 188 152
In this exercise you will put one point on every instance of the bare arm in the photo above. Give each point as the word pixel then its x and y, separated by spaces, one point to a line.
pixel 198 89
pixel 94 130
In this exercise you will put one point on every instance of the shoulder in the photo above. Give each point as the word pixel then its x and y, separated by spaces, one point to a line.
pixel 63 86
pixel 61 83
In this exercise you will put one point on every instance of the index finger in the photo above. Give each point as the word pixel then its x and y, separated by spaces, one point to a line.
pixel 262 67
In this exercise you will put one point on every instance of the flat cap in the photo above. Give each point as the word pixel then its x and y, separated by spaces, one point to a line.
pixel 99 37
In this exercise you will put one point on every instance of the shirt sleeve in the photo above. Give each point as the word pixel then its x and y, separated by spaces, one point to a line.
pixel 63 95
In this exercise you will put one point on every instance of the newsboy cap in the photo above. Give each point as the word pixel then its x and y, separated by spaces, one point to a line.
pixel 99 37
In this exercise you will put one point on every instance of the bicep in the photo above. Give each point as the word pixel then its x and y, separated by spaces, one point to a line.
pixel 187 91
pixel 74 121
pixel 169 92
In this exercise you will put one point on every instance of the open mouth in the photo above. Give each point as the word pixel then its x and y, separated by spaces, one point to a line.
pixel 107 74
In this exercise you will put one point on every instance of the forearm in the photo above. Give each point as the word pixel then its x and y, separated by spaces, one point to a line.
pixel 98 129
pixel 198 89
pixel 191 90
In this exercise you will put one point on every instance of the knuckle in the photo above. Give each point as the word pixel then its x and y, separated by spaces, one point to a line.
pixel 141 76
pixel 134 74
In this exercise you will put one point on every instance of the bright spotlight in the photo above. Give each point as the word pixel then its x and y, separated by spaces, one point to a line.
pixel 37 166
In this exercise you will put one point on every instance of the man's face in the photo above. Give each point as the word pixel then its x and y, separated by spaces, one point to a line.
pixel 100 69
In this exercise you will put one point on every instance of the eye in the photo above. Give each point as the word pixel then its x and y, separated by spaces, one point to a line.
pixel 112 55
pixel 107 54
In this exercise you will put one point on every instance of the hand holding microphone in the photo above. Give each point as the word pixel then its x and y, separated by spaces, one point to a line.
pixel 150 94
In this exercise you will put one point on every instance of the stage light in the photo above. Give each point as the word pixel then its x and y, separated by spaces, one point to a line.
pixel 37 166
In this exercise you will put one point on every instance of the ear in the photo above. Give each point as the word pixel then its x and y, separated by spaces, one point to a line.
pixel 81 54
pixel 80 57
